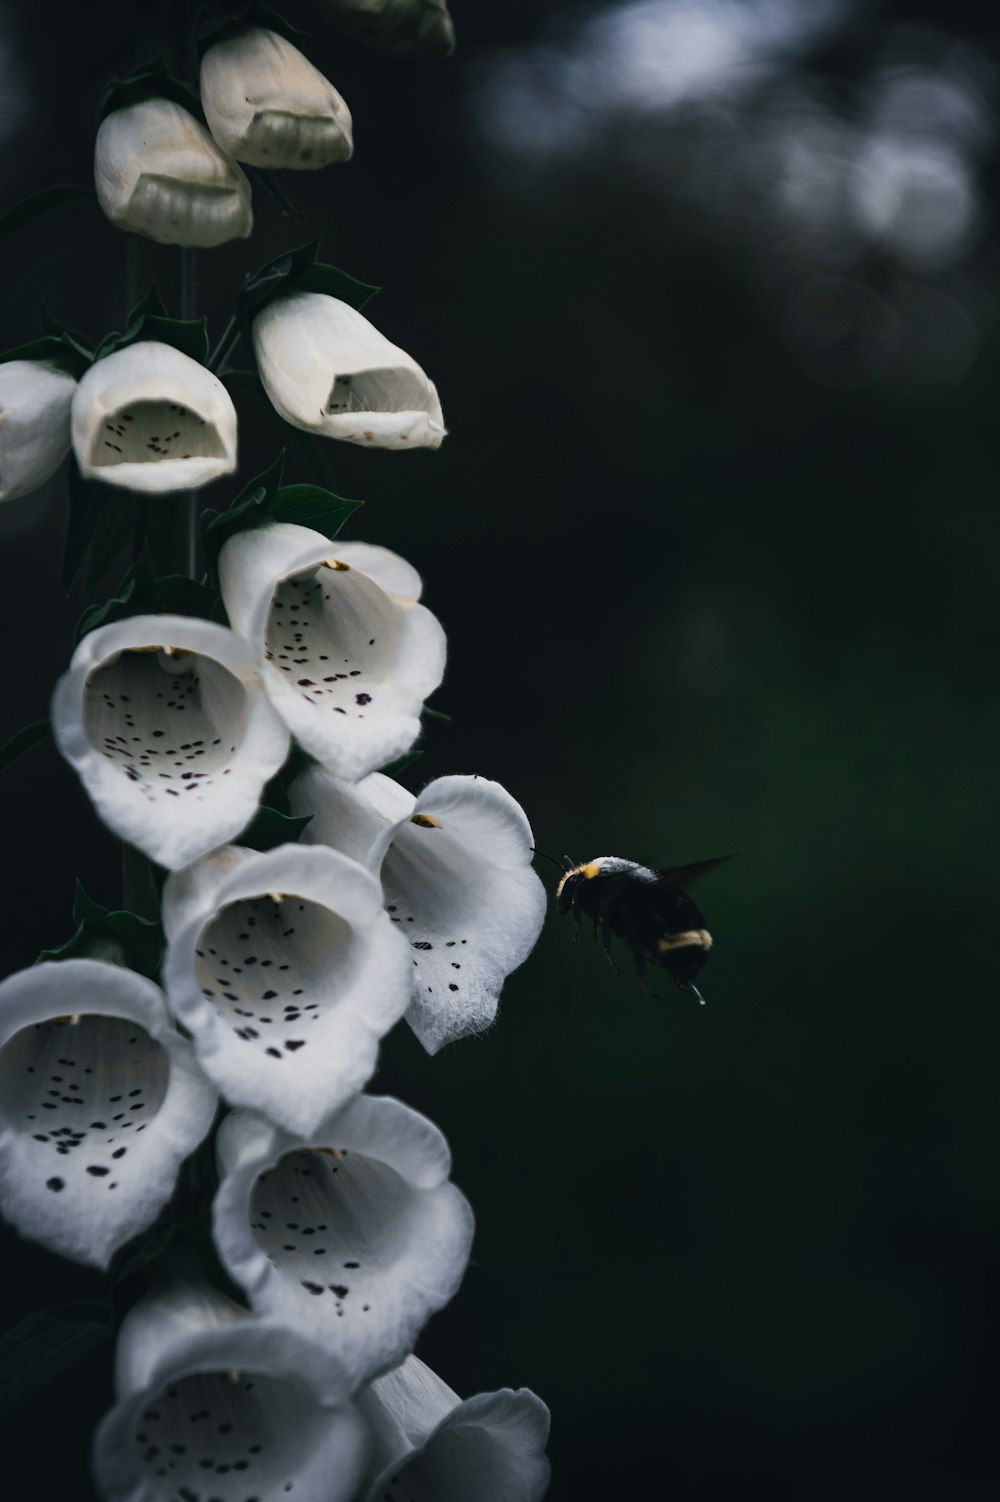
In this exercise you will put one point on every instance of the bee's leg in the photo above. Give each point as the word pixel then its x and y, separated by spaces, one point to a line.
pixel 606 940
pixel 640 970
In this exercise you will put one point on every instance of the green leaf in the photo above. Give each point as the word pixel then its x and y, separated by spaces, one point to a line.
pixel 224 18
pixel 45 1344
pixel 149 320
pixel 298 271
pixel 24 740
pixel 400 764
pixel 141 592
pixel 436 714
pixel 151 80
pixel 311 506
pixel 121 937
pixel 56 196
pixel 57 349
pixel 98 528
pixel 269 828
pixel 266 501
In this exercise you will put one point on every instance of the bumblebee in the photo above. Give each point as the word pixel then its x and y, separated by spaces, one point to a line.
pixel 647 910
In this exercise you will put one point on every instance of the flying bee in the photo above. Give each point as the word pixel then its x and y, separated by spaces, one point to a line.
pixel 648 910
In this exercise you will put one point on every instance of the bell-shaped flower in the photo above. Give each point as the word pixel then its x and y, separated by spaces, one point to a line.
pixel 327 370
pixel 268 106
pixel 401 28
pixel 35 401
pixel 159 173
pixel 166 721
pixel 100 1101
pixel 150 418
pixel 286 972
pixel 352 1233
pixel 346 652
pixel 428 1443
pixel 212 1403
pixel 455 864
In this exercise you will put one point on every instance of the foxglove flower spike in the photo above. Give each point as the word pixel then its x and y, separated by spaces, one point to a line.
pixel 35 401
pixel 150 418
pixel 346 653
pixel 428 1443
pixel 455 865
pixel 100 1101
pixel 213 1403
pixel 327 370
pixel 159 173
pixel 286 972
pixel 166 722
pixel 352 1232
pixel 268 106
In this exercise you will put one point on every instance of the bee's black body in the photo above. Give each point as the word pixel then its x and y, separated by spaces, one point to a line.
pixel 646 909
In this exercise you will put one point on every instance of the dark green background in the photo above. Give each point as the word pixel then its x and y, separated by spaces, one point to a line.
pixel 696 602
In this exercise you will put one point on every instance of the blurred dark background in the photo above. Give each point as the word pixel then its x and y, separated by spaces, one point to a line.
pixel 710 292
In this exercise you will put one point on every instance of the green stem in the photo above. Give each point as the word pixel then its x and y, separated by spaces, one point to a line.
pixel 138 886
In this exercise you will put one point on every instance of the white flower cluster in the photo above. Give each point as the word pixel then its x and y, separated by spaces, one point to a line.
pixel 283 969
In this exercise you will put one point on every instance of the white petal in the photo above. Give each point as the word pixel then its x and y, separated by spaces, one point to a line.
pixel 432 1447
pixel 347 665
pixel 100 1101
pixel 328 370
pixel 353 817
pixel 401 28
pixel 457 880
pixel 352 1232
pixel 166 722
pixel 267 105
pixel 286 972
pixel 159 173
pixel 213 1403
pixel 35 399
pixel 150 418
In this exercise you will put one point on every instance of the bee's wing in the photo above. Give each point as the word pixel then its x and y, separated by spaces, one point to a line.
pixel 680 876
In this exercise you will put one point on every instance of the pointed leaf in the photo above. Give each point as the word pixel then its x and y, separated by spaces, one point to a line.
pixel 45 1344
pixel 311 506
pixel 120 937
pixel 22 741
pixel 150 81
pixel 298 271
pixel 400 764
pixel 57 196
pixel 142 593
pixel 270 828
pixel 222 18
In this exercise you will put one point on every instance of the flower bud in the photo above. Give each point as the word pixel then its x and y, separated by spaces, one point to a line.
pixel 402 28
pixel 327 370
pixel 35 399
pixel 159 173
pixel 150 418
pixel 267 105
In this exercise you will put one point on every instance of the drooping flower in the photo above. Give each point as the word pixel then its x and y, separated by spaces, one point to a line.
pixel 345 651
pixel 213 1403
pixel 150 418
pixel 100 1101
pixel 159 173
pixel 455 865
pixel 35 400
pixel 268 106
pixel 286 972
pixel 353 1232
pixel 428 1443
pixel 166 721
pixel 402 28
pixel 327 370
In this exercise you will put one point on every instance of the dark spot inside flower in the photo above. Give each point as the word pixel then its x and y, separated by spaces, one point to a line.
pixel 55 1185
pixel 97 1171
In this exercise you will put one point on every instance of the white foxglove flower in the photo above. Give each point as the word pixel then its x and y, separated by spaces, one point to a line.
pixel 215 1404
pixel 159 173
pixel 100 1101
pixel 166 721
pixel 352 1233
pixel 268 106
pixel 286 972
pixel 455 864
pixel 346 652
pixel 329 371
pixel 402 28
pixel 35 400
pixel 428 1443
pixel 150 418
